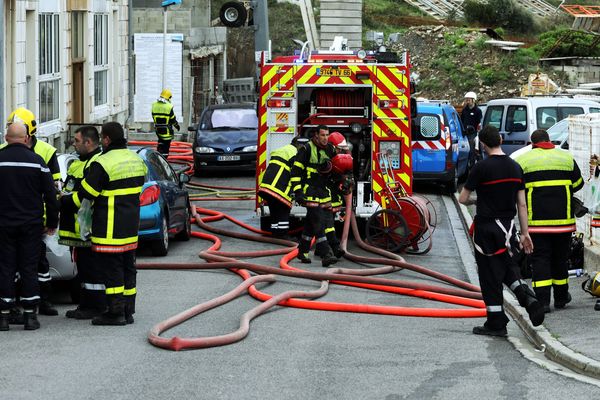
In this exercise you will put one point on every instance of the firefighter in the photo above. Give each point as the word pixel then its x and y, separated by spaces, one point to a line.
pixel 309 183
pixel 498 181
pixel 339 184
pixel 164 121
pixel 114 183
pixel 275 185
pixel 92 301
pixel 28 191
pixel 551 177
pixel 48 154
pixel 470 117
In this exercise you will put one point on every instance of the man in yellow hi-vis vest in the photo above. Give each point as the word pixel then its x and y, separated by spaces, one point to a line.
pixel 164 121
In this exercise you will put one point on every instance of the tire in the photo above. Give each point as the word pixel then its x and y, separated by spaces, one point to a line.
pixel 387 229
pixel 160 247
pixel 452 184
pixel 186 232
pixel 197 170
pixel 233 14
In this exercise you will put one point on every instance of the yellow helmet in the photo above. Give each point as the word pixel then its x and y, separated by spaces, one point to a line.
pixel 592 284
pixel 166 94
pixel 25 116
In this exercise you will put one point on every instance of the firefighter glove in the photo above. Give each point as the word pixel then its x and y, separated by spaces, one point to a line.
pixel 299 197
pixel 347 184
pixel 177 127
pixel 325 167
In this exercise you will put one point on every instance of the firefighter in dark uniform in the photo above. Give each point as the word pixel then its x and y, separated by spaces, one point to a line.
pixel 470 117
pixel 48 154
pixel 28 191
pixel 275 186
pixel 92 301
pixel 164 121
pixel 114 183
pixel 309 183
pixel 498 181
pixel 340 183
pixel 551 177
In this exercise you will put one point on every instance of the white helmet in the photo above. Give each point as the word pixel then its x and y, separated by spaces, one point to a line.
pixel 471 95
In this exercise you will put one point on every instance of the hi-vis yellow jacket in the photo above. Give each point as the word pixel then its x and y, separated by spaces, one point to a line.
pixel 68 229
pixel 551 177
pixel 114 183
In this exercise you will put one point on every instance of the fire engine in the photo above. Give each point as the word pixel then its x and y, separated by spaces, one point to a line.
pixel 366 96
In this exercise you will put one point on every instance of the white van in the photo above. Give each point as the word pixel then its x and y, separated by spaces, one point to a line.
pixel 517 118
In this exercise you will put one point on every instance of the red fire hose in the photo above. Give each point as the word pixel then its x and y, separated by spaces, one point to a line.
pixel 466 294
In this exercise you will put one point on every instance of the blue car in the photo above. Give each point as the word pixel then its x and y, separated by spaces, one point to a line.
pixel 226 138
pixel 440 147
pixel 164 203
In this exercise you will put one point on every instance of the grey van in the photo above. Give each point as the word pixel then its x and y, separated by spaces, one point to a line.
pixel 517 118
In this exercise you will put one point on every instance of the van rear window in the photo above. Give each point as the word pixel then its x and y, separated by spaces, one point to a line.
pixel 548 116
pixel 516 119
pixel 493 116
pixel 426 127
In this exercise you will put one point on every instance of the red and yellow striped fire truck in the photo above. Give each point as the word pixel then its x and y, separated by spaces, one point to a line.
pixel 366 96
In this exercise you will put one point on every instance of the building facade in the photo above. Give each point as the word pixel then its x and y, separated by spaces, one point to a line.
pixel 67 61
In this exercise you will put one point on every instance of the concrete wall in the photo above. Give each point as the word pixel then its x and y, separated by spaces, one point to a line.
pixel 341 18
pixel 21 89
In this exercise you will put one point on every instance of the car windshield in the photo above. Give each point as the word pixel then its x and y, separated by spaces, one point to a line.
pixel 230 118
pixel 559 132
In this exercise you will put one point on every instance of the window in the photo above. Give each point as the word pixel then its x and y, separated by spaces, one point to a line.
pixel 77 35
pixel 100 59
pixel 516 119
pixel 548 116
pixel 594 110
pixel 426 127
pixel 237 118
pixel 49 67
pixel 493 116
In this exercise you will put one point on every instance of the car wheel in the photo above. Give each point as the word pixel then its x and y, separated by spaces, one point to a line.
pixel 186 232
pixel 197 170
pixel 160 247
pixel 452 184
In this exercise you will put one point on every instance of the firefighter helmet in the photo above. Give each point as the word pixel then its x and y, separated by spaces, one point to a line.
pixel 471 95
pixel 24 116
pixel 341 163
pixel 166 94
pixel 338 140
pixel 592 284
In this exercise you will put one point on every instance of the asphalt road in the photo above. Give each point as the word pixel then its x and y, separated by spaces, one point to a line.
pixel 288 354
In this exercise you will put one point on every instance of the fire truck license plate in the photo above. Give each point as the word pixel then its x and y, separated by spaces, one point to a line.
pixel 228 158
pixel 333 72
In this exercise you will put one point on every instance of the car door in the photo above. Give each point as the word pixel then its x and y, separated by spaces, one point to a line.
pixel 428 152
pixel 177 197
pixel 460 142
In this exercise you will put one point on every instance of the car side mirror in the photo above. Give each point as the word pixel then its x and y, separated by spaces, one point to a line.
pixel 192 128
pixel 183 179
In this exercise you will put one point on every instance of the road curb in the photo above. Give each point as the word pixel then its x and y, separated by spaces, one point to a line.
pixel 539 336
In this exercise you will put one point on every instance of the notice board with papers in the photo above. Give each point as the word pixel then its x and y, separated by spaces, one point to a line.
pixel 148 50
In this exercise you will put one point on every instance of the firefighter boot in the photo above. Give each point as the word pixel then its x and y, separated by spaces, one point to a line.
pixel 543 296
pixel 83 313
pixel 129 308
pixel 304 249
pixel 324 251
pixel 4 317
pixel 45 306
pixel 115 314
pixel 486 330
pixel 527 299
pixel 335 244
pixel 31 321
pixel 16 317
